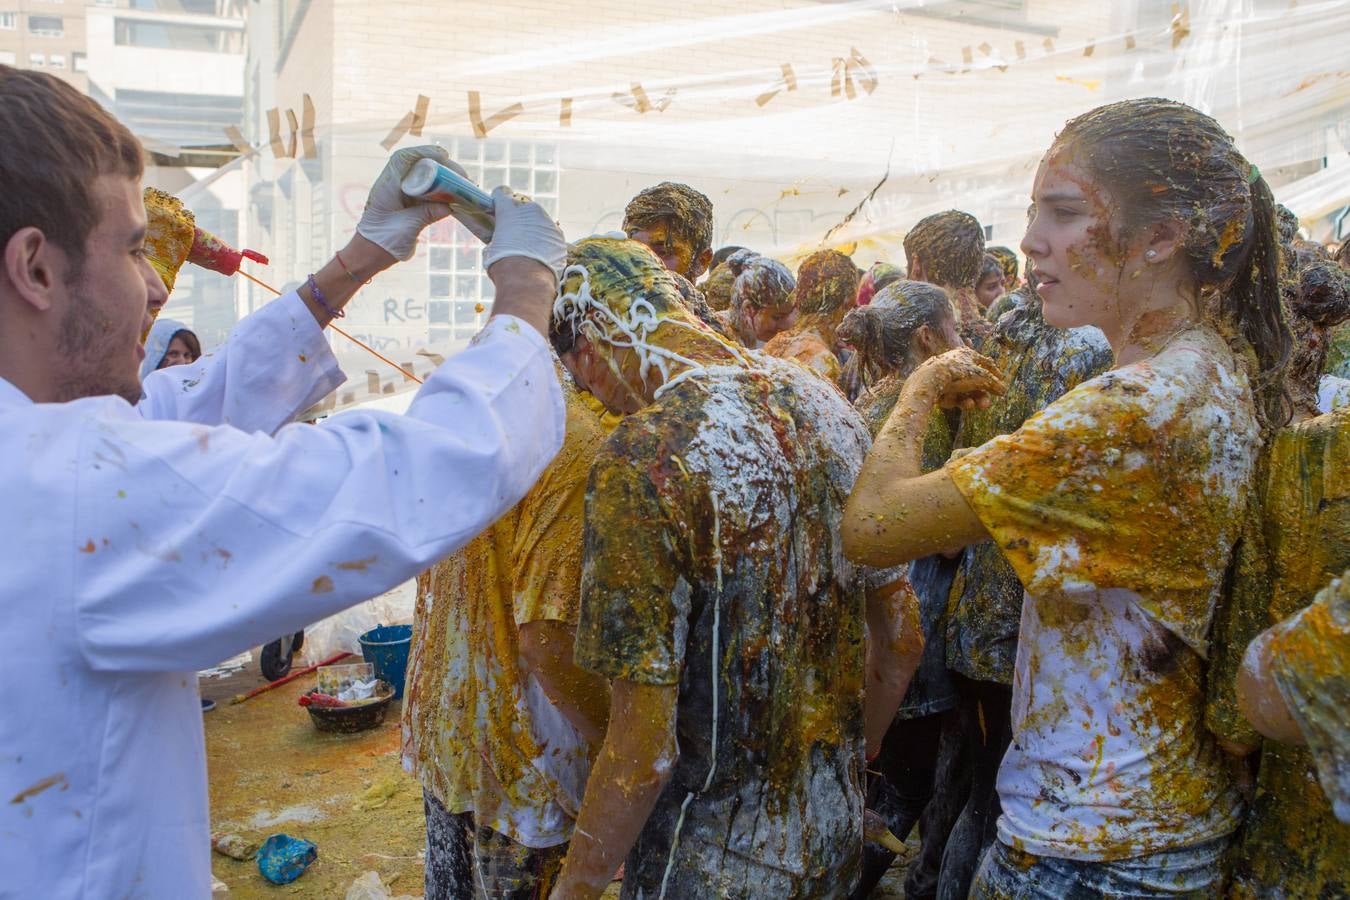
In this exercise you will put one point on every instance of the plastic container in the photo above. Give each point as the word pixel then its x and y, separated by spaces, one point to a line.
pixel 386 648
pixel 470 204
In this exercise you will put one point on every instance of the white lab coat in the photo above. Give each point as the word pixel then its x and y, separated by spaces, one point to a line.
pixel 135 552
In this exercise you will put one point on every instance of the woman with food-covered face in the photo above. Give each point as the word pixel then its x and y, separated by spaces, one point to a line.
pixel 1118 505
pixel 762 299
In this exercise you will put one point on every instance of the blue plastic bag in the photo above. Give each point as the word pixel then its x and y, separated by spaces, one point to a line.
pixel 283 858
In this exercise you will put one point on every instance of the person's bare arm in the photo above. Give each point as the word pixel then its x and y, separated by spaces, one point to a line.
pixel 525 289
pixel 581 696
pixel 894 646
pixel 634 766
pixel 1259 698
pixel 363 258
pixel 896 513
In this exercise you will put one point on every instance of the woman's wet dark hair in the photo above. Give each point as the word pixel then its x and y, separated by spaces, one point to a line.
pixel 882 332
pixel 1161 160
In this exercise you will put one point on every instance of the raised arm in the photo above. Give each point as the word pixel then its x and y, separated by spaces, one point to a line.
pixel 896 513
pixel 276 362
pixel 241 537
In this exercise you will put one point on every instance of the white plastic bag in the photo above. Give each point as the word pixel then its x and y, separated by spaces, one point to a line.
pixel 343 631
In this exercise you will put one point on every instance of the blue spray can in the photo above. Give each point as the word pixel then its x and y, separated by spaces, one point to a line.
pixel 470 204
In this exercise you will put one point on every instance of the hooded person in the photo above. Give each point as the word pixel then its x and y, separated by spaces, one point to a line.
pixel 827 288
pixel 157 342
pixel 710 519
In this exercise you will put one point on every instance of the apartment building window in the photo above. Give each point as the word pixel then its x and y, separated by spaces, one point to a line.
pixel 37 61
pixel 46 26
pixel 79 61
pixel 57 61
pixel 174 36
pixel 7 58
pixel 9 21
pixel 458 289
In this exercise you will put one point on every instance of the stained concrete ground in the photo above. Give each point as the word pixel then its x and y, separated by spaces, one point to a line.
pixel 270 771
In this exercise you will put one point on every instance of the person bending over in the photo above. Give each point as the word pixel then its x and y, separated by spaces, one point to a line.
pixel 714 595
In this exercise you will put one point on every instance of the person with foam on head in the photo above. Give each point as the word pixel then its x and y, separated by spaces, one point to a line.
pixel 153 529
pixel 714 598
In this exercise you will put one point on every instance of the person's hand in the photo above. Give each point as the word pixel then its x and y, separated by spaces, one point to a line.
pixel 524 229
pixel 392 219
pixel 960 379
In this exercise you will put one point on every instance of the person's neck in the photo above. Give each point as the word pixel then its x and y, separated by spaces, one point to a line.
pixel 1150 330
pixel 22 364
pixel 695 349
pixel 822 325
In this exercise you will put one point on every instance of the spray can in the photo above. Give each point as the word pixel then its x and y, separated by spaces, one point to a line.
pixel 470 204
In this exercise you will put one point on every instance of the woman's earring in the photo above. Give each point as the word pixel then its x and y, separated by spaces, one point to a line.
pixel 1150 255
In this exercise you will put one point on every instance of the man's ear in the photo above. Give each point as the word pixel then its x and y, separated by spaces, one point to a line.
pixel 925 340
pixel 701 264
pixel 33 267
pixel 915 270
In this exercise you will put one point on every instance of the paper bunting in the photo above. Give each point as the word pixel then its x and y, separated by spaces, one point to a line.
pixel 411 123
pixel 482 126
pixel 787 83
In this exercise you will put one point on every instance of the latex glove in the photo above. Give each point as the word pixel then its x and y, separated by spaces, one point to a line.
pixel 392 219
pixel 524 229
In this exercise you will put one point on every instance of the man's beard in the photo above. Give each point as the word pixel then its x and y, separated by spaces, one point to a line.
pixel 84 335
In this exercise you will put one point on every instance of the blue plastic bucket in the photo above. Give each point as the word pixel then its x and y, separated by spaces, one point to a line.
pixel 386 648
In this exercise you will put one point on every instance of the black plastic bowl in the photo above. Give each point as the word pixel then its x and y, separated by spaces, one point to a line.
pixel 351 719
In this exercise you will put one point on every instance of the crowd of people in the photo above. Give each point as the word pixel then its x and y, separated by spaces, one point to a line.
pixel 729 576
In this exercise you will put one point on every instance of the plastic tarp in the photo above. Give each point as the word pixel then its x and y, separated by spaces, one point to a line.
pixel 805 122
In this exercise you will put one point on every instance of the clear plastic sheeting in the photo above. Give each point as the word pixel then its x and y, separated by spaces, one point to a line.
pixel 806 123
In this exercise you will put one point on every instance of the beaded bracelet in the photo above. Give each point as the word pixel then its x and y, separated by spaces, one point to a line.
pixel 320 299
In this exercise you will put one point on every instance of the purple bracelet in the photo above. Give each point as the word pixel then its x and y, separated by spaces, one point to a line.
pixel 320 299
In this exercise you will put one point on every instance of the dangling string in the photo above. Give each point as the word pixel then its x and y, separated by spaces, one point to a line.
pixel 358 342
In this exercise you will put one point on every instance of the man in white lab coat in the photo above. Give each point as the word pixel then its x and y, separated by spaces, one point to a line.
pixel 142 539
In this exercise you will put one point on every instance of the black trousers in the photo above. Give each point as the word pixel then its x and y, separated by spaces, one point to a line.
pixel 921 775
pixel 986 729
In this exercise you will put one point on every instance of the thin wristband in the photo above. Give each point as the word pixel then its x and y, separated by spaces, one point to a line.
pixel 320 299
pixel 337 254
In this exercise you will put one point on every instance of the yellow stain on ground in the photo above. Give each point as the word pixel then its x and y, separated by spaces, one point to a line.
pixel 270 771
